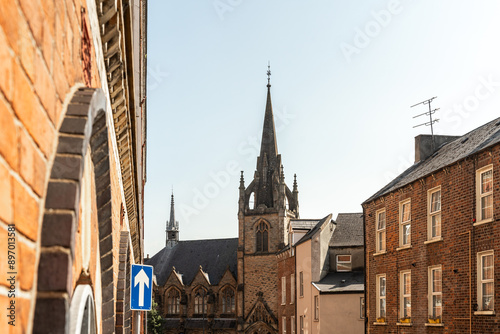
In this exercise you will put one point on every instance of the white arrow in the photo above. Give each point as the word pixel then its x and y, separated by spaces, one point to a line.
pixel 142 279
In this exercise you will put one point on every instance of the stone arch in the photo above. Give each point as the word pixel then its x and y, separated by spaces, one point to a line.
pixel 84 126
pixel 260 328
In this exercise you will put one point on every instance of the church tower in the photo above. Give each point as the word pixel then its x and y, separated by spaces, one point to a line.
pixel 266 206
pixel 172 229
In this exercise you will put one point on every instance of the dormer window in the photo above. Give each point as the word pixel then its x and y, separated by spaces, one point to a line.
pixel 262 237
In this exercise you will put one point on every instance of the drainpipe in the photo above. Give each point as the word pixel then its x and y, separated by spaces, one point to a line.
pixel 470 284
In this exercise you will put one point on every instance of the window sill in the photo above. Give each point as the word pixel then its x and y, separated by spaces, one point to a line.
pixel 484 313
pixel 433 325
pixel 380 323
pixel 403 247
pixel 380 253
pixel 484 221
pixel 408 324
pixel 433 240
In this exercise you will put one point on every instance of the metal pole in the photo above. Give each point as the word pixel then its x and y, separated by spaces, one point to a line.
pixel 432 129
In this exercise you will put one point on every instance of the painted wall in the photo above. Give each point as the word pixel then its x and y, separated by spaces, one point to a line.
pixel 304 306
pixel 340 314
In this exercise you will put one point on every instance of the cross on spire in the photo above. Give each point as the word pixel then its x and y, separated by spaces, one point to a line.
pixel 268 74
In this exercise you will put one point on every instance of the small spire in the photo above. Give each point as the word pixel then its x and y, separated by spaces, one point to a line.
pixel 282 173
pixel 242 180
pixel 295 182
pixel 268 74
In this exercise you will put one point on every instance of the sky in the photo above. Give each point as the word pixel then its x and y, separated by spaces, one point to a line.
pixel 344 75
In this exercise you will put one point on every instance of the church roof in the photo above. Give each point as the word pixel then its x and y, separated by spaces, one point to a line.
pixel 213 255
pixel 349 230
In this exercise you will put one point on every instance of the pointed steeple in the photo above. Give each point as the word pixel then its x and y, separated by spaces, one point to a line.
pixel 269 144
pixel 171 222
pixel 172 226
pixel 267 192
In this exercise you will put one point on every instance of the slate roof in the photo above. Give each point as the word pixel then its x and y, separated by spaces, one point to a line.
pixel 311 232
pixel 349 230
pixel 342 282
pixel 472 142
pixel 303 224
pixel 214 255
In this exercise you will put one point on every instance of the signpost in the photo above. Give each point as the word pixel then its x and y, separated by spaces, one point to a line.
pixel 141 290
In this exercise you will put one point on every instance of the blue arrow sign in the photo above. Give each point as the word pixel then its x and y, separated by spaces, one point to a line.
pixel 141 289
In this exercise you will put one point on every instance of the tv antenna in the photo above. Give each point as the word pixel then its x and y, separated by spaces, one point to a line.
pixel 429 113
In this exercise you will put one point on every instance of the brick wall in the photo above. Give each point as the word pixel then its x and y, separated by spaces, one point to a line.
pixel 458 213
pixel 40 62
pixel 286 267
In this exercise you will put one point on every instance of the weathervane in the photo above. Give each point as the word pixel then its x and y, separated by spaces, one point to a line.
pixel 269 74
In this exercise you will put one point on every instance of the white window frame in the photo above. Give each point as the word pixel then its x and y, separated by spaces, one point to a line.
pixel 479 195
pixel 380 232
pixel 344 262
pixel 292 288
pixel 434 214
pixel 283 290
pixel 292 324
pixel 316 308
pixel 301 284
pixel 381 297
pixel 433 293
pixel 361 307
pixel 301 324
pixel 481 281
pixel 403 224
pixel 283 328
pixel 403 294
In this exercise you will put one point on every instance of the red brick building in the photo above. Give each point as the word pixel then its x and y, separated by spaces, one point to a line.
pixel 72 141
pixel 432 239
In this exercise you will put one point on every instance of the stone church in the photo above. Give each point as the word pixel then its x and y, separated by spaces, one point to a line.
pixel 231 285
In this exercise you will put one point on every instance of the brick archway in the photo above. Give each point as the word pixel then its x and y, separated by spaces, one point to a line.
pixel 84 126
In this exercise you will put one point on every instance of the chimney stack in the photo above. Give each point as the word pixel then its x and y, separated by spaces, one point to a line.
pixel 424 146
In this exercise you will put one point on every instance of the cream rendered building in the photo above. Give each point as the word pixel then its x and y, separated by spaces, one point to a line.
pixel 330 277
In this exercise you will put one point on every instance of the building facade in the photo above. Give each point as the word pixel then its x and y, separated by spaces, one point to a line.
pixel 236 276
pixel 72 128
pixel 431 239
pixel 338 297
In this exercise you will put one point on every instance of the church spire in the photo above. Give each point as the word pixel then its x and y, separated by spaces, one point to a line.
pixel 269 146
pixel 172 226
pixel 172 212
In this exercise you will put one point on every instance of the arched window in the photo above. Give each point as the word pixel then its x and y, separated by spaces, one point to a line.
pixel 228 305
pixel 251 201
pixel 262 237
pixel 173 301
pixel 200 301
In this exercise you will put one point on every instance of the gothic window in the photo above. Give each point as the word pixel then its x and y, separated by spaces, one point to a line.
pixel 228 305
pixel 173 301
pixel 251 201
pixel 262 237
pixel 200 301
